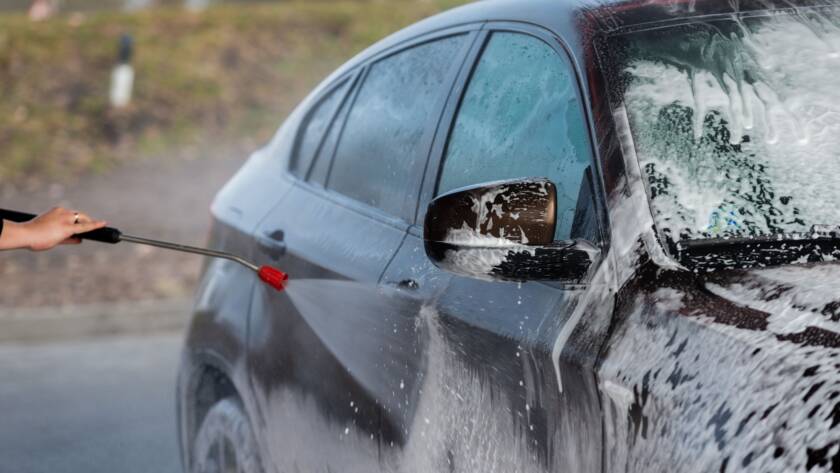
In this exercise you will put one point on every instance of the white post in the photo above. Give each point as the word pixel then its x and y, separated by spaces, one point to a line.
pixel 122 77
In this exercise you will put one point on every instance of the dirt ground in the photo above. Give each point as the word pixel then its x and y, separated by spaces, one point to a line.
pixel 167 198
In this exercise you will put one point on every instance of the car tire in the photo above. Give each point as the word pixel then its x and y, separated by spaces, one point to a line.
pixel 225 442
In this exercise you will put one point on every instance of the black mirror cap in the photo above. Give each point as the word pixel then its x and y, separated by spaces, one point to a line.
pixel 563 261
pixel 522 211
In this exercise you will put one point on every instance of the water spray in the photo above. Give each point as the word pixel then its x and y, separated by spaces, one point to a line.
pixel 267 274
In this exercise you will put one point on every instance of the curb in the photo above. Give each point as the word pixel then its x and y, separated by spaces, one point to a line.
pixel 93 320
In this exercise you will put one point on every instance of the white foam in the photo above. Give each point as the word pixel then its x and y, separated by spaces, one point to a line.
pixel 778 86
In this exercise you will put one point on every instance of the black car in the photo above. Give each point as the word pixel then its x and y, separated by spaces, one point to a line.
pixel 538 236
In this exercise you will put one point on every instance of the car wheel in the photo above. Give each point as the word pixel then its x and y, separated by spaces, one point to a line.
pixel 225 442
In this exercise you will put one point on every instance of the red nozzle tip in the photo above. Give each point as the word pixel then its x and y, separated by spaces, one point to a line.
pixel 274 277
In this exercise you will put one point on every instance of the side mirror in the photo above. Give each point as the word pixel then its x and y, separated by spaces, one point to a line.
pixel 505 231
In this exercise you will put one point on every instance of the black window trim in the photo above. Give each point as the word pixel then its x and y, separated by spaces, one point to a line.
pixel 444 130
pixel 348 79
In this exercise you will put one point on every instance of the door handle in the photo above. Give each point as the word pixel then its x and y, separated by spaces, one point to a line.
pixel 406 284
pixel 272 243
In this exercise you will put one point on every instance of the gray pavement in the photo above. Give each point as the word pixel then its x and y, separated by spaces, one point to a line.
pixel 89 406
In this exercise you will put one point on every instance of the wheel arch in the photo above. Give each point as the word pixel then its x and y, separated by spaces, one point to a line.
pixel 204 380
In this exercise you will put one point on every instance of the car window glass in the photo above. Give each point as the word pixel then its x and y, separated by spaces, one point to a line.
pixel 313 131
pixel 384 144
pixel 521 116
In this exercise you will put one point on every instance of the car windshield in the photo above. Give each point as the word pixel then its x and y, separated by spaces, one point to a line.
pixel 736 122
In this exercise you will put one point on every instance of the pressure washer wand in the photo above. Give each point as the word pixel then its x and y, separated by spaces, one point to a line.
pixel 271 276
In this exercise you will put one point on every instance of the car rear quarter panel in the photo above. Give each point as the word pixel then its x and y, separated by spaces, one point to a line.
pixel 218 331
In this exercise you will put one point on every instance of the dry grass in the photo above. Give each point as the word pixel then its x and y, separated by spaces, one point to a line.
pixel 227 74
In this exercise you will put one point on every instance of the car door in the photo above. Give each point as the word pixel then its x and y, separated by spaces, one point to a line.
pixel 315 350
pixel 506 381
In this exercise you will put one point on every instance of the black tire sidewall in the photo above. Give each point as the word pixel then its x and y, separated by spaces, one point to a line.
pixel 226 419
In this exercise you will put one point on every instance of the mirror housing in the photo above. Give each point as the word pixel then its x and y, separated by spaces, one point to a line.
pixel 503 230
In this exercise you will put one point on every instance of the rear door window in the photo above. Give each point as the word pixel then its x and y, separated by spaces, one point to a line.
pixel 521 116
pixel 321 167
pixel 317 122
pixel 385 142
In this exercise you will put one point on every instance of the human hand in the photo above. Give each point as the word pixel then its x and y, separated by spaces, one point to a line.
pixel 51 229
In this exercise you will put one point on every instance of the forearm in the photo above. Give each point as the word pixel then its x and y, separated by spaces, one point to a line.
pixel 13 236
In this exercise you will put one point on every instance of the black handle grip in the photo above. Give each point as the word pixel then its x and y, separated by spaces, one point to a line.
pixel 14 216
pixel 104 235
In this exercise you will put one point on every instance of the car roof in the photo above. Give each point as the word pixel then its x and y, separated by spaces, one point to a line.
pixel 556 15
pixel 573 20
pixel 576 22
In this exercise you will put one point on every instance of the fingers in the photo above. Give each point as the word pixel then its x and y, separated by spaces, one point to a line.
pixel 84 227
pixel 72 241
pixel 81 221
pixel 58 216
pixel 81 218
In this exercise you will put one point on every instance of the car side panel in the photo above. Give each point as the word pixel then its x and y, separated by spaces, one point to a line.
pixel 696 380
pixel 483 393
pixel 217 335
pixel 314 365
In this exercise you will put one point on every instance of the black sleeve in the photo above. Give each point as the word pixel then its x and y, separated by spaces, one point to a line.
pixel 1 226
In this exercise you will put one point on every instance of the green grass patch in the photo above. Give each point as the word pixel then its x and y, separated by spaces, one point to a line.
pixel 227 74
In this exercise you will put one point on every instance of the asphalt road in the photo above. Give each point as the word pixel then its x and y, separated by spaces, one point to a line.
pixel 89 406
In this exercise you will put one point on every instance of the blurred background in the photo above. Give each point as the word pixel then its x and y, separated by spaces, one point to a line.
pixel 135 111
